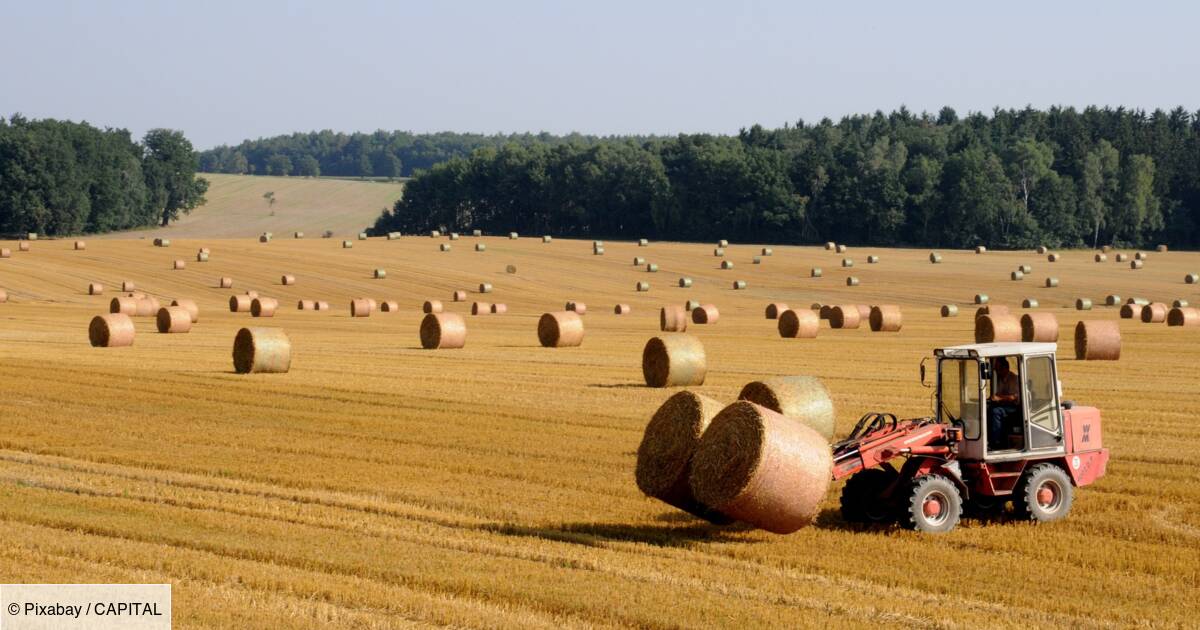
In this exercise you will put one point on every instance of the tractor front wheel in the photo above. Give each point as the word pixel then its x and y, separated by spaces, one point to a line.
pixel 862 496
pixel 934 504
pixel 1044 494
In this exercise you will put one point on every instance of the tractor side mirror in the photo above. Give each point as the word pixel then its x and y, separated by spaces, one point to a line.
pixel 923 383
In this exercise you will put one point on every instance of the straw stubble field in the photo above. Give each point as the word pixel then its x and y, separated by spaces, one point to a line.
pixel 378 484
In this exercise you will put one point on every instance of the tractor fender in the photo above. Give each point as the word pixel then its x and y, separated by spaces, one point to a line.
pixel 918 466
pixel 1084 468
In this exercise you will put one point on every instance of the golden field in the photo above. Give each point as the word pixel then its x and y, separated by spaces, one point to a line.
pixel 381 485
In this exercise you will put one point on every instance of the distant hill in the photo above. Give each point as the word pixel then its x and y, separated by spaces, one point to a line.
pixel 236 207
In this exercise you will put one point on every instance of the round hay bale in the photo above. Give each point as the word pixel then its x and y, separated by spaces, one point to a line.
pixel 481 308
pixel 1040 327
pixel 306 305
pixel 479 247
pixel 1029 303
pixel 674 360
pixel 201 257
pixel 816 306
pixel 830 246
pixel 841 249
pixel 301 235
pixel 1121 258
pixel 445 247
pixel 1140 256
pixel 360 307
pixel 598 251
pixel 499 309
pixel 114 330
pixel 264 239
pixel 1162 249
pixel 1097 341
pixel 80 245
pixel 380 274
pixel 815 272
pixel 767 251
pixel 1106 248
pixel 1136 264
pixel 287 280
pixel 685 283
pixel 95 288
pixel 510 269
pixel 727 264
pixel 722 243
pixel 204 250
pixel 981 298
pixel 454 236
pixel 33 236
pixel 980 249
pixel 190 307
pixel 1101 258
pixel 561 329
pixel 690 306
pixel 512 236
pixel 705 314
pixel 1154 313
pixel 545 238
pixel 997 328
pixel 643 242
pixel 886 318
pixel 1112 300
pixel 738 285
pixel 1137 301
pixel 847 262
pixel 263 307
pixel 1017 276
pixel 718 252
pixel 949 310
pixel 935 257
pixel 1192 278
pixel 321 306
pixel 173 319
pixel 638 261
pixel 251 294
pixel 800 398
pixel 239 303
pixel 872 260
pixel 389 306
pixel 478 233
pixel 1129 311
pixel 1083 304
pixel 1042 249
pixel 347 244
pixel 123 306
pixel 225 283
pixel 1051 282
pixel 443 331
pixel 992 309
pixel 576 307
pixel 825 311
pixel 760 467
pixel 844 317
pixel 435 233
pixel 23 246
pixel 460 296
pixel 128 285
pixel 262 351
pixel 431 306
pixel 673 318
pixel 774 309
pixel 643 286
pixel 652 268
pixel 852 281
pixel 864 312
pixel 621 309
pixel 798 324
pixel 485 287
pixel 147 306
pixel 665 454
pixel 596 244
pixel 1180 304
pixel 1183 316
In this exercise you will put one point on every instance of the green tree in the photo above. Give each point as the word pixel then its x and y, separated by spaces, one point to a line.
pixel 170 166
pixel 1099 184
pixel 1139 212
pixel 280 165
pixel 308 166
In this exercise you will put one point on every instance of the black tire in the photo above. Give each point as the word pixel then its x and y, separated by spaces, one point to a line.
pixel 861 501
pixel 934 504
pixel 1044 494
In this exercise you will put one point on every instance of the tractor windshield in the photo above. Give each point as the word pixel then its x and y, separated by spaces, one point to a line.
pixel 959 395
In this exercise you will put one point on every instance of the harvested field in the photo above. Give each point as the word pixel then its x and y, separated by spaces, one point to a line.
pixel 378 484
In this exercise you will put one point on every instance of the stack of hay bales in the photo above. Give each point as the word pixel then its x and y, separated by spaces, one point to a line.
pixel 664 456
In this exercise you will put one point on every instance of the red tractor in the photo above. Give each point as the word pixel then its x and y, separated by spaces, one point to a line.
pixel 1002 433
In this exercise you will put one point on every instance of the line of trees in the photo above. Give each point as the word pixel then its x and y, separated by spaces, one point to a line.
pixel 387 154
pixel 1017 178
pixel 61 177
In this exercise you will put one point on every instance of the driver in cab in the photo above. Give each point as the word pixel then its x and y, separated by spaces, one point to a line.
pixel 1003 403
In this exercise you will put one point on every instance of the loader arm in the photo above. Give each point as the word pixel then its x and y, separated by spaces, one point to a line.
pixel 880 438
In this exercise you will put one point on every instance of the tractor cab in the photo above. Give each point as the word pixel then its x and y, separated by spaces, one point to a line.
pixel 1005 396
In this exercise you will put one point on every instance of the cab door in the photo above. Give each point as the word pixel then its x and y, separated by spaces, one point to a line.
pixel 1044 429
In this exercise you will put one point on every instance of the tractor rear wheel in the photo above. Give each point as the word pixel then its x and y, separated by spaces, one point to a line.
pixel 934 504
pixel 862 500
pixel 1044 494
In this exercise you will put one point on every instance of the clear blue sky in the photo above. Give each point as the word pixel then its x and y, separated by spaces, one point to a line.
pixel 226 71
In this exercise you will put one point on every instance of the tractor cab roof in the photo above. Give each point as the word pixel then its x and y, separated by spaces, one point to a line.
pixel 986 350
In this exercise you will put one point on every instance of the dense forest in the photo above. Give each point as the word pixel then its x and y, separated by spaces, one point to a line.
pixel 380 154
pixel 60 177
pixel 1016 178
